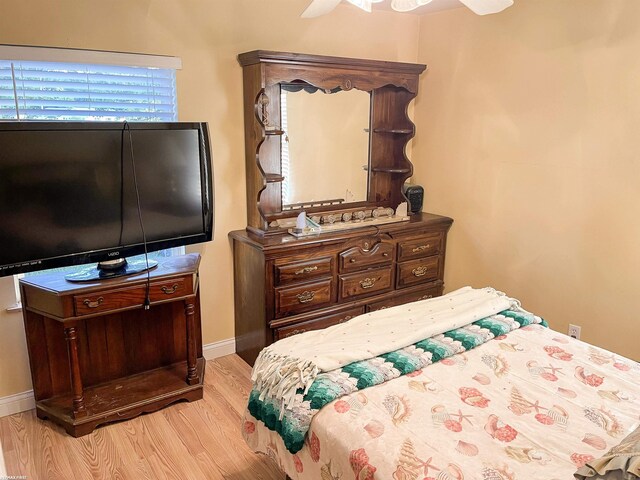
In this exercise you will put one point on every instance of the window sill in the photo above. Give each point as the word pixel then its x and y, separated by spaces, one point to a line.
pixel 16 307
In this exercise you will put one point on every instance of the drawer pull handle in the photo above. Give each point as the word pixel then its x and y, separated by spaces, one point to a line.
pixel 306 270
pixel 425 297
pixel 420 271
pixel 352 260
pixel 169 290
pixel 421 248
pixel 367 282
pixel 93 303
pixel 385 254
pixel 345 319
pixel 306 296
pixel 294 332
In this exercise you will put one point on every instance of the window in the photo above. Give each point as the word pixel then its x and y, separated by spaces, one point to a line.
pixel 285 161
pixel 87 86
pixel 84 92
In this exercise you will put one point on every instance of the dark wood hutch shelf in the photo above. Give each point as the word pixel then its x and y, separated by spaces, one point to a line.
pixel 392 87
pixel 396 131
pixel 390 170
pixel 98 356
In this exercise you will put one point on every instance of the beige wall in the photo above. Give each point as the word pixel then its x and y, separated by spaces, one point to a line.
pixel 528 136
pixel 207 35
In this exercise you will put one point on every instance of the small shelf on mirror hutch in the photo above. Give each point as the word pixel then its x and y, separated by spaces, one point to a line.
pixel 395 131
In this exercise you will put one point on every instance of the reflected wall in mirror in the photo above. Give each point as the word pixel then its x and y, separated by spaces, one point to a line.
pixel 325 147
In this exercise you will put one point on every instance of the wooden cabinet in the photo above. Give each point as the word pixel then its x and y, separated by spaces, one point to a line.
pixel 98 356
pixel 285 286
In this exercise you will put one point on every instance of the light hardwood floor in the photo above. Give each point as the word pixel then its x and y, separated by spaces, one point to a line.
pixel 199 440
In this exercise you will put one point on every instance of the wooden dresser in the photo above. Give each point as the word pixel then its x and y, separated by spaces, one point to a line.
pixel 361 260
pixel 285 286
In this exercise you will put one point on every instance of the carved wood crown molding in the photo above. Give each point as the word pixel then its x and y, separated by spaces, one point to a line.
pixel 323 61
pixel 328 73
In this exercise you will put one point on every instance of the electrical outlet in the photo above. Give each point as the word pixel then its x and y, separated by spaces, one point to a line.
pixel 574 331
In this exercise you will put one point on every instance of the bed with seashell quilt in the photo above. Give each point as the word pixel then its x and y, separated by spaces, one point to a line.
pixel 527 404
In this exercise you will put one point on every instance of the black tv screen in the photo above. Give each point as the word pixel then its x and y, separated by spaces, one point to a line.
pixel 68 191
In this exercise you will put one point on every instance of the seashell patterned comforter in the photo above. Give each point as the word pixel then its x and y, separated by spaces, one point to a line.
pixel 532 404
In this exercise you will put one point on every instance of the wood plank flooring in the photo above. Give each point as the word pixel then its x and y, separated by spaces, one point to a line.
pixel 199 440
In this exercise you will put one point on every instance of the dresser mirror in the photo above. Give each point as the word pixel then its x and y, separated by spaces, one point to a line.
pixel 335 149
pixel 324 145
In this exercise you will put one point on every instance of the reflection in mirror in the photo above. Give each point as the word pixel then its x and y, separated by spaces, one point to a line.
pixel 325 147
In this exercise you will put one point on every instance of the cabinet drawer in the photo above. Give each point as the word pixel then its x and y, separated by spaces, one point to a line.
pixel 365 283
pixel 418 271
pixel 357 258
pixel 304 297
pixel 130 297
pixel 304 270
pixel 430 292
pixel 318 323
pixel 424 246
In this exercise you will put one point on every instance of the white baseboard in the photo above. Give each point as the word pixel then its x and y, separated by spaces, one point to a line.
pixel 219 349
pixel 21 402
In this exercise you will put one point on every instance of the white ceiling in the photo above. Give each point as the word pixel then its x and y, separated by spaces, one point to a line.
pixel 434 6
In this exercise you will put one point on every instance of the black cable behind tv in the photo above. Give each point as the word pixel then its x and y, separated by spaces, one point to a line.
pixel 121 266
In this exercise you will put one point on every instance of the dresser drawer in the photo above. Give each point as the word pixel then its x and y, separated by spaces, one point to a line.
pixel 365 283
pixel 318 323
pixel 130 297
pixel 358 258
pixel 418 271
pixel 303 271
pixel 430 292
pixel 301 298
pixel 419 247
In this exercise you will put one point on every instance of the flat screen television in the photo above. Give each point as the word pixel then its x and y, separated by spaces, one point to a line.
pixel 74 193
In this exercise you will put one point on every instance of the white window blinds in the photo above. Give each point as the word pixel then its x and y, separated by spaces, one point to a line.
pixel 34 90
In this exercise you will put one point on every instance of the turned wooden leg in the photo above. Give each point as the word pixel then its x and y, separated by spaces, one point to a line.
pixel 79 409
pixel 192 371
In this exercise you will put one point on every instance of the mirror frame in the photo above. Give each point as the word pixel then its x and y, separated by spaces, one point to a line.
pixel 392 86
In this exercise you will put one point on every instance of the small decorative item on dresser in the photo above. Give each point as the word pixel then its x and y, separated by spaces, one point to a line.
pixel 415 195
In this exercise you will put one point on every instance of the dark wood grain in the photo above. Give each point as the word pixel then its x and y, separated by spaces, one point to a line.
pixel 305 270
pixel 95 349
pixel 422 270
pixel 366 255
pixel 392 86
pixel 422 246
pixel 304 297
pixel 366 283
pixel 259 316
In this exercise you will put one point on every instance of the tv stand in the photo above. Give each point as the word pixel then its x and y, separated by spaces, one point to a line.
pixel 98 356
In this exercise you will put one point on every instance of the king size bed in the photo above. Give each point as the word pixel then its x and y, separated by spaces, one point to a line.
pixel 466 386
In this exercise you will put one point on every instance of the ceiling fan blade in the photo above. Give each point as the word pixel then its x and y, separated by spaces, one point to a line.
pixel 486 7
pixel 317 8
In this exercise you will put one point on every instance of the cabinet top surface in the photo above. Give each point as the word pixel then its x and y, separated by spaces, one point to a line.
pixel 169 267
pixel 422 220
